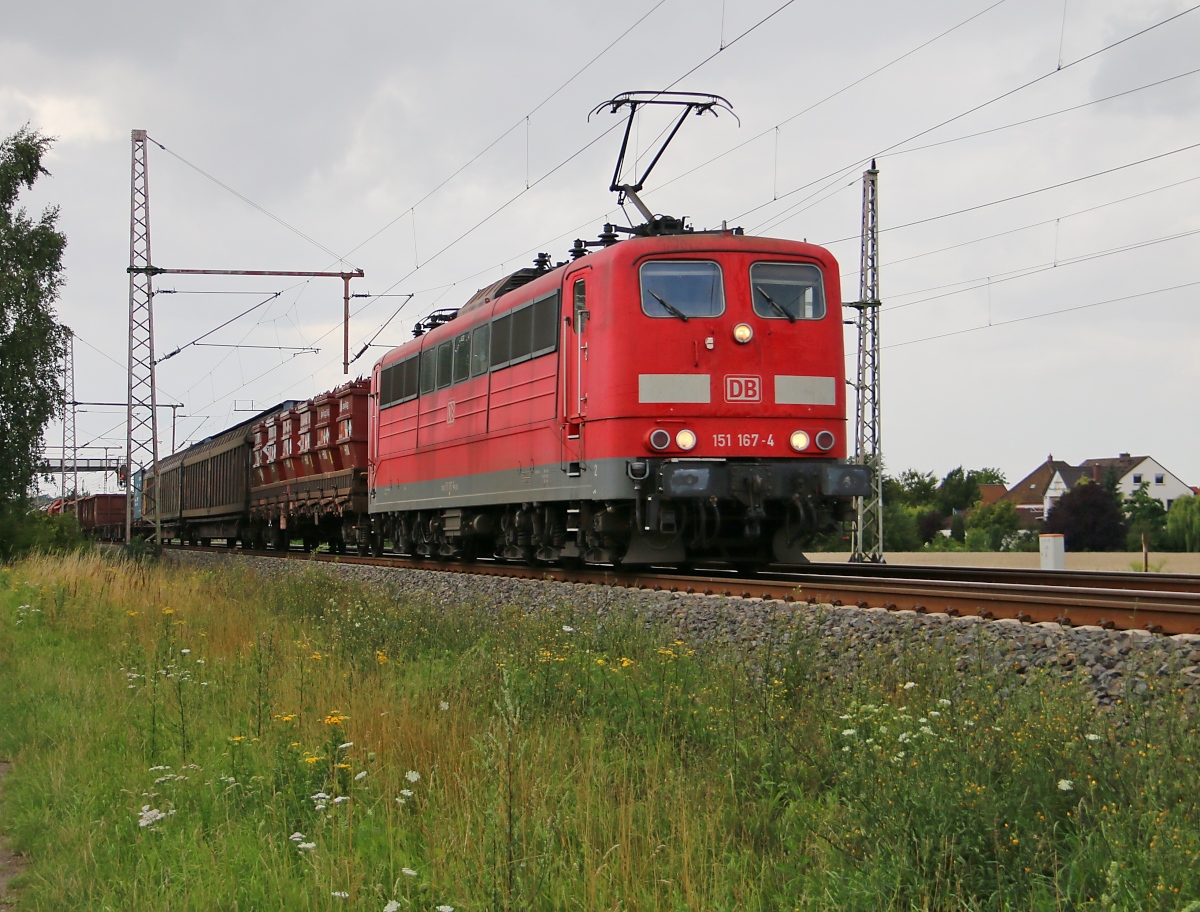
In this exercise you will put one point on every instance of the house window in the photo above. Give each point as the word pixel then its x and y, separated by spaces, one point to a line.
pixel 1159 479
pixel 1137 479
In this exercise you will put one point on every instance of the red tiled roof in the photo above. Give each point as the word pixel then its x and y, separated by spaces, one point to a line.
pixel 990 493
pixel 1031 490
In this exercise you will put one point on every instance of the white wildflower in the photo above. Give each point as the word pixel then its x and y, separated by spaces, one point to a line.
pixel 412 776
pixel 923 720
pixel 185 652
pixel 307 846
pixel 900 756
pixel 443 706
pixel 150 816
pixel 903 736
pixel 846 749
pixel 926 730
pixel 909 685
pixel 297 837
pixel 360 776
pixel 845 716
pixel 340 894
pixel 392 906
pixel 320 807
pixel 1066 785
pixel 444 908
pixel 935 714
pixel 408 872
pixel 1092 737
pixel 943 702
pixel 341 799
pixel 346 746
pixel 567 628
pixel 320 796
pixel 155 769
pixel 849 732
pixel 407 793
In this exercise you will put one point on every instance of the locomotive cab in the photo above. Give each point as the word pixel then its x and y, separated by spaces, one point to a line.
pixel 714 364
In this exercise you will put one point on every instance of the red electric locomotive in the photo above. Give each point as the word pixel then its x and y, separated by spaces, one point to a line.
pixel 661 400
pixel 677 396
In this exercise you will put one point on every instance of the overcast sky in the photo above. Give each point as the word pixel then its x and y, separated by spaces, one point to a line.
pixel 400 138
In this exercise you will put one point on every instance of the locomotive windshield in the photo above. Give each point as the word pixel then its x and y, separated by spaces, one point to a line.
pixel 787 291
pixel 682 289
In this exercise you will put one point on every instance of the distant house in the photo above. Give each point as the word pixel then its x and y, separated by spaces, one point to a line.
pixel 1134 471
pixel 1029 494
pixel 1036 494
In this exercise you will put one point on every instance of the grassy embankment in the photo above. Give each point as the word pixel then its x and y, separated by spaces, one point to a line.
pixel 196 740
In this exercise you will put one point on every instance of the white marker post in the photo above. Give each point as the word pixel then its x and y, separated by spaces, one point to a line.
pixel 1053 552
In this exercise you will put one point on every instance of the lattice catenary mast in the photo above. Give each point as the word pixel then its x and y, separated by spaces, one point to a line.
pixel 868 526
pixel 141 423
pixel 69 441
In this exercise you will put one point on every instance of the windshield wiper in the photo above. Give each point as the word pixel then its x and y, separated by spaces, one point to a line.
pixel 779 308
pixel 670 308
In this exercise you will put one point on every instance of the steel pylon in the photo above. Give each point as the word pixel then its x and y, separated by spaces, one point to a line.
pixel 868 526
pixel 141 425
pixel 69 440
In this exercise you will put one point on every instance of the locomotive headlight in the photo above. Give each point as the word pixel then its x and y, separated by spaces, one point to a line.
pixel 685 439
pixel 825 440
pixel 660 438
pixel 799 441
pixel 742 333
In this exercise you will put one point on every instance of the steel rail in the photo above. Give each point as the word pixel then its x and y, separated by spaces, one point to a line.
pixel 1115 606
pixel 1106 579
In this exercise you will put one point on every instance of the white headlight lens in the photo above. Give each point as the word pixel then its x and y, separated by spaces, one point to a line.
pixel 799 441
pixel 685 440
pixel 743 333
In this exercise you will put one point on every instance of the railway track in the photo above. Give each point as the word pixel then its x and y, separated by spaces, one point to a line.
pixel 1160 603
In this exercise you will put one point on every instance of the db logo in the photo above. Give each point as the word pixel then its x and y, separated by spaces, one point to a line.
pixel 743 389
pixel 450 412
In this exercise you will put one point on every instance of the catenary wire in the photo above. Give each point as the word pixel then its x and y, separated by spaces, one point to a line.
pixel 844 171
pixel 1039 316
pixel 1027 193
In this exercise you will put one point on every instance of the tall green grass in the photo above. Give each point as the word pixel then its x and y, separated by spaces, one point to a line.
pixel 201 740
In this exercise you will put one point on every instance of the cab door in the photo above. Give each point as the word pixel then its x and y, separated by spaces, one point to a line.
pixel 575 368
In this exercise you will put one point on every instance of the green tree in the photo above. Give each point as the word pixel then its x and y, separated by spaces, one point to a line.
pixel 1183 524
pixel 1145 514
pixel 1090 519
pixel 31 339
pixel 958 491
pixel 899 528
pixel 988 475
pixel 990 525
pixel 919 488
